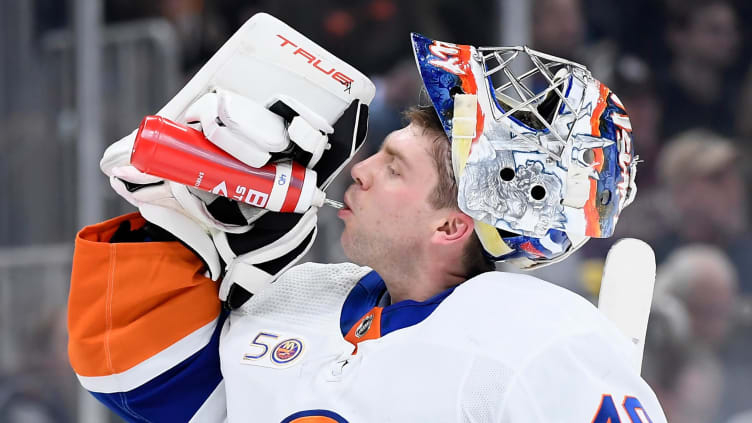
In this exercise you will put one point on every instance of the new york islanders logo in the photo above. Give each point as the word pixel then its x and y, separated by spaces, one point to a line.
pixel 287 351
pixel 266 351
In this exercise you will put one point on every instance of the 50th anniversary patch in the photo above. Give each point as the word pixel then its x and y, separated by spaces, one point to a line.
pixel 272 349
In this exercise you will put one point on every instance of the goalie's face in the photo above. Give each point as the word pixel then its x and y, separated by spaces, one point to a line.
pixel 388 215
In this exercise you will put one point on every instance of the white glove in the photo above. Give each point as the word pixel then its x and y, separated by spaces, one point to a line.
pixel 238 125
pixel 199 218
pixel 256 258
pixel 251 132
pixel 276 241
pixel 260 102
pixel 170 205
pixel 255 254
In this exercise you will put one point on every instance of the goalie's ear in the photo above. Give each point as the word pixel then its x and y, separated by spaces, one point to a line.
pixel 454 227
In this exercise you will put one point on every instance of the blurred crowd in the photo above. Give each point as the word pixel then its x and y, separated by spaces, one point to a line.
pixel 683 70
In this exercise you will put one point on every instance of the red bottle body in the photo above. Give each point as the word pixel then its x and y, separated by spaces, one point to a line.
pixel 182 154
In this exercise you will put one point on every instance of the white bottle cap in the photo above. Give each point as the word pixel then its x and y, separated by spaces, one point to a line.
pixel 309 194
pixel 318 198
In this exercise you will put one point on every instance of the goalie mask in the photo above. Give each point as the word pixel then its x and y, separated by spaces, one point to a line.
pixel 541 151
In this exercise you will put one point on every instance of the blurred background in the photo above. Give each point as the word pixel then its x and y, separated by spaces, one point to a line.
pixel 77 75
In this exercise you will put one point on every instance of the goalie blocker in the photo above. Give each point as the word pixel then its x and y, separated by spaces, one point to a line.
pixel 268 94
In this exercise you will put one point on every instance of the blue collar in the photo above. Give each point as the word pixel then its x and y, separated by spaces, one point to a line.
pixel 366 294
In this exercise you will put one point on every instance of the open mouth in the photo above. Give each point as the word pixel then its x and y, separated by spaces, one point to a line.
pixel 346 210
pixel 346 202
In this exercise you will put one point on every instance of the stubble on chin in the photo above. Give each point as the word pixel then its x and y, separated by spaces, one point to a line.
pixel 353 249
pixel 380 253
pixel 361 250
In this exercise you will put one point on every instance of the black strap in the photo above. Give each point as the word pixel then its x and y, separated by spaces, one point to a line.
pixel 237 295
pixel 341 140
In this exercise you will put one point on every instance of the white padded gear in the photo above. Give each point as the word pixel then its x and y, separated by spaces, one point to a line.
pixel 239 125
pixel 250 132
pixel 158 205
pixel 314 119
pixel 229 98
pixel 308 138
pixel 242 270
pixel 168 205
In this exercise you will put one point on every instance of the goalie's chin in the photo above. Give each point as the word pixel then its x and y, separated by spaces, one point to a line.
pixel 350 247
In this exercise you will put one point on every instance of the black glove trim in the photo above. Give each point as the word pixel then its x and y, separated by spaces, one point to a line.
pixel 226 211
pixel 351 124
pixel 274 266
pixel 237 295
pixel 266 230
pixel 131 187
pixel 294 152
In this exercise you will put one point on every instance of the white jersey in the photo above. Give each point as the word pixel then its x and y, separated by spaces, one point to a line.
pixel 501 347
pixel 148 337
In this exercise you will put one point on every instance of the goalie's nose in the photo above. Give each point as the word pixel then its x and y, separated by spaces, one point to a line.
pixel 360 173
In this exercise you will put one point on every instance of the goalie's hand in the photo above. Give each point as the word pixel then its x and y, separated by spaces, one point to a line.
pixel 237 124
pixel 258 102
pixel 189 215
pixel 199 219
pixel 286 129
pixel 253 133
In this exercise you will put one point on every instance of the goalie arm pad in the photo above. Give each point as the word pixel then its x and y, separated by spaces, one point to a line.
pixel 144 325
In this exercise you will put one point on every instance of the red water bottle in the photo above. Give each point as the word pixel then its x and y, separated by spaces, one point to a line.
pixel 182 154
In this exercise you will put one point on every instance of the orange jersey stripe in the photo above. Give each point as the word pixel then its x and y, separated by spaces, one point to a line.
pixel 129 301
